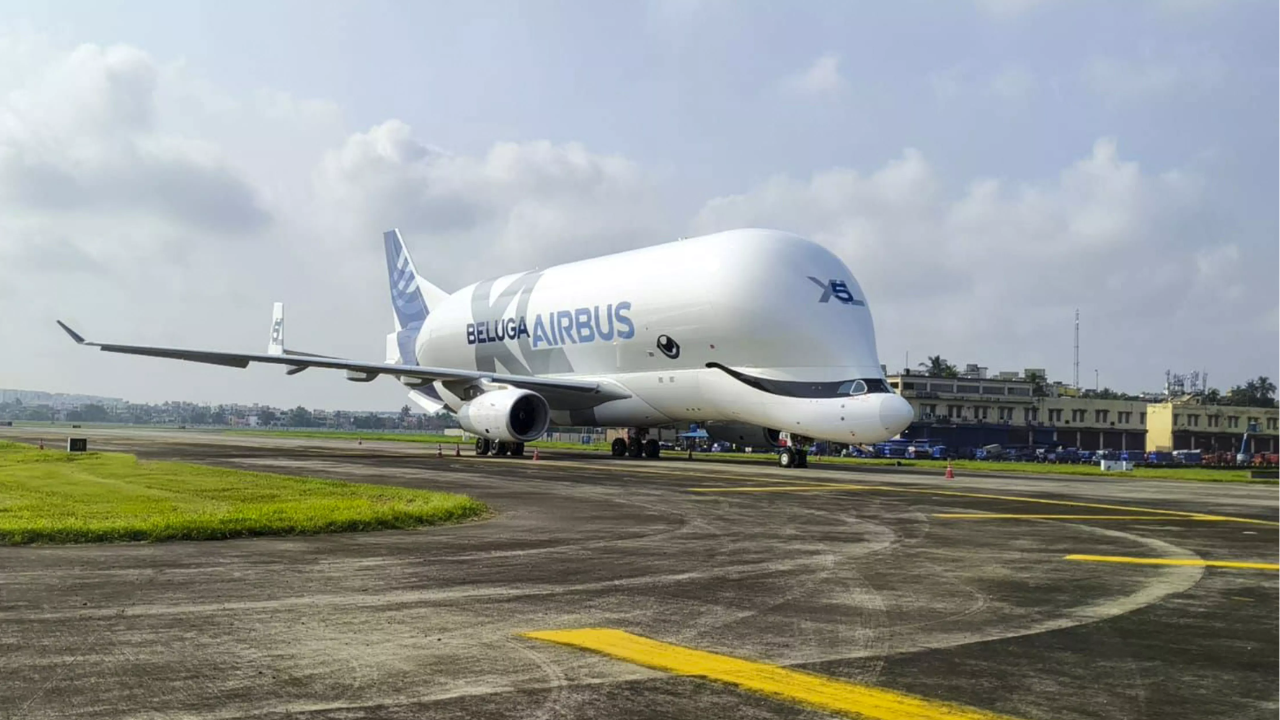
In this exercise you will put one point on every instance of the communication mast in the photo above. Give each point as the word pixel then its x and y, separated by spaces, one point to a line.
pixel 1075 373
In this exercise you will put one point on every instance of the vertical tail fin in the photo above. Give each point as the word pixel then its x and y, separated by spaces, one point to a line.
pixel 411 299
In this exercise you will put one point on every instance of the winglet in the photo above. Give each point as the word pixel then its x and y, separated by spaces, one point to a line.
pixel 74 335
pixel 275 346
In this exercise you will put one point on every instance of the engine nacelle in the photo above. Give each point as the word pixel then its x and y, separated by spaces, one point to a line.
pixel 510 415
pixel 743 434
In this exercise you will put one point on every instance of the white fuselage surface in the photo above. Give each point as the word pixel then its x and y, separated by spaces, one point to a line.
pixel 747 326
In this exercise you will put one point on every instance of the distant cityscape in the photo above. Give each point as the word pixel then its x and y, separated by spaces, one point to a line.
pixel 39 406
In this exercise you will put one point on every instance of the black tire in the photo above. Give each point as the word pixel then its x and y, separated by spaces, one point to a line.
pixel 517 449
pixel 482 446
pixel 619 447
pixel 786 458
pixel 503 448
pixel 651 448
pixel 634 448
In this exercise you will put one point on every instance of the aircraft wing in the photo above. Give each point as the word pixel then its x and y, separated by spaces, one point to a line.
pixel 357 370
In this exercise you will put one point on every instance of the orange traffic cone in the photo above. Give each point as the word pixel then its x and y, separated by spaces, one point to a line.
pixel 535 453
pixel 950 475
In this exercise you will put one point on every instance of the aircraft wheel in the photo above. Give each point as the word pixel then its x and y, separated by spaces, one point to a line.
pixel 634 449
pixel 652 448
pixel 786 458
pixel 517 449
pixel 619 447
pixel 503 448
pixel 482 446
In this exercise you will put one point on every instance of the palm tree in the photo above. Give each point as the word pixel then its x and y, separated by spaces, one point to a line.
pixel 939 367
pixel 1212 396
pixel 1265 389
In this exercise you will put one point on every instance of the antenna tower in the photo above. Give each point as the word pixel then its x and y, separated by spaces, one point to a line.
pixel 1075 374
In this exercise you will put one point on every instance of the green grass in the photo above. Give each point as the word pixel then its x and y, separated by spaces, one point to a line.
pixel 52 496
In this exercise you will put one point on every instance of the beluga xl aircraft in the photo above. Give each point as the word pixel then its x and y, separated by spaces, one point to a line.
pixel 750 332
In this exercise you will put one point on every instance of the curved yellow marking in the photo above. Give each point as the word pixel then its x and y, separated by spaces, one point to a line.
pixel 840 696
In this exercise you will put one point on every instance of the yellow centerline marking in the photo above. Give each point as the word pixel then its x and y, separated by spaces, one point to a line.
pixel 985 496
pixel 829 694
pixel 998 516
pixel 786 488
pixel 1167 561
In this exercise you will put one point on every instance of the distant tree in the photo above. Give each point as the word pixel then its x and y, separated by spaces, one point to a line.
pixel 939 367
pixel 1212 396
pixel 266 417
pixel 1038 381
pixel 93 412
pixel 1258 392
pixel 300 417
pixel 1265 391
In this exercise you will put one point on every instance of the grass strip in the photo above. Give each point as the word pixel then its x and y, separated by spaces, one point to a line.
pixel 51 496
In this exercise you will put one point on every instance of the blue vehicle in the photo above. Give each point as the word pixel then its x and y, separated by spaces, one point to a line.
pixel 1188 457
pixel 906 449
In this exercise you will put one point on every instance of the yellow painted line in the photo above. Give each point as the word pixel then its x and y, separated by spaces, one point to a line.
pixel 788 488
pixel 829 694
pixel 1166 561
pixel 996 516
pixel 1010 498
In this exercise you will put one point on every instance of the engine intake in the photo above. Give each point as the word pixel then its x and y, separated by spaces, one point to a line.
pixel 743 434
pixel 510 415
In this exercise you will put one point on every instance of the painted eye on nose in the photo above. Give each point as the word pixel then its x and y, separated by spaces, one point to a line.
pixel 668 346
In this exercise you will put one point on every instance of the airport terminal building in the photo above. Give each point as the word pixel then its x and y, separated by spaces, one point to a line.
pixel 1011 410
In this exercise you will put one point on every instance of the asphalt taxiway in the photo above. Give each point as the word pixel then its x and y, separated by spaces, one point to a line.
pixel 662 589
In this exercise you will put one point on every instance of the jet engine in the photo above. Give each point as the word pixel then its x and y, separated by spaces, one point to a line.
pixel 510 415
pixel 743 434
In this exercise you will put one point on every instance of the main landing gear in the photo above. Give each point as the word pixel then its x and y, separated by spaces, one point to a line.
pixel 636 445
pixel 484 446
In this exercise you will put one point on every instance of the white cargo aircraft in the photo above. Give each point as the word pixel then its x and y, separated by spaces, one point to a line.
pixel 751 332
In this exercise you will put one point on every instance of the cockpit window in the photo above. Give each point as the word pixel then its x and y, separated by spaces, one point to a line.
pixel 853 387
pixel 877 386
pixel 795 388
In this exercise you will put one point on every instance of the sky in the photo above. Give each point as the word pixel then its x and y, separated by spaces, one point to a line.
pixel 168 170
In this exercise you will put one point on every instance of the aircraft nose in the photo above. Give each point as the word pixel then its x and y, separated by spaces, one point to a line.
pixel 895 414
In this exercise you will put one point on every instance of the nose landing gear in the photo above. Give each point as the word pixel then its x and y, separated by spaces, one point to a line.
pixel 793 456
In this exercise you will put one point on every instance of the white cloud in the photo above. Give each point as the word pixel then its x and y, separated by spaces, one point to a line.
pixel 1013 82
pixel 1141 79
pixel 948 84
pixel 81 136
pixel 821 78
pixel 996 271
pixel 1005 9
pixel 518 206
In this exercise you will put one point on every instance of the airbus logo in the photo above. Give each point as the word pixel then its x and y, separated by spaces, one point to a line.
pixel 838 289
